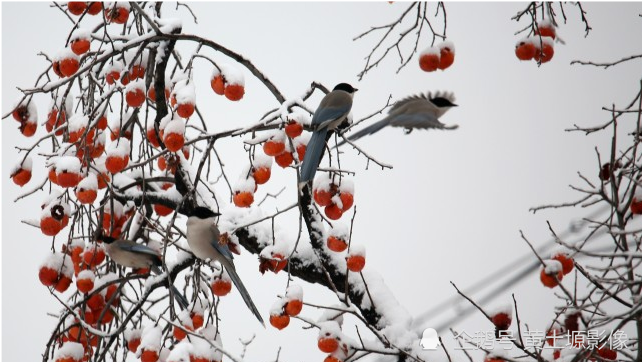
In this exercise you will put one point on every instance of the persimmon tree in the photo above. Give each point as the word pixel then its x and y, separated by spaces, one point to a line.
pixel 131 150
pixel 595 278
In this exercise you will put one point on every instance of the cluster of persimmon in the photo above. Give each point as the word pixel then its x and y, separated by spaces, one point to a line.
pixel 67 62
pixel 171 129
pixel 441 57
pixel 116 72
pixel 57 272
pixel 227 81
pixel 115 216
pixel 337 241
pixel 27 115
pixel 66 170
pixel 117 13
pixel 330 338
pixel 277 147
pixel 336 197
pixel 101 299
pixel 555 268
pixel 90 166
pixel 100 294
pixel 539 47
pixel 289 306
pixel 75 259
pixel 59 268
pixel 86 162
pixel 280 144
pixel 189 321
pixel 99 161
pixel 558 339
pixel 55 212
pixel 147 343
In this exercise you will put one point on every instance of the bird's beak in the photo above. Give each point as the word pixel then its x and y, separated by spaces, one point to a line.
pixel 355 89
pixel 455 105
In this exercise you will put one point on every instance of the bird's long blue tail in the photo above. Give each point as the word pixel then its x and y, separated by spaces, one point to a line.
pixel 313 153
pixel 178 296
pixel 244 293
pixel 371 129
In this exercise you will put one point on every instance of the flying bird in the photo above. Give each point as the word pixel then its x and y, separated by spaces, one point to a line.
pixel 133 255
pixel 203 240
pixel 332 111
pixel 420 111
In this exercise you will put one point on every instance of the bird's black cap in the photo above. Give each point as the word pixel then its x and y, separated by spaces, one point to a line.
pixel 107 239
pixel 203 213
pixel 345 87
pixel 442 102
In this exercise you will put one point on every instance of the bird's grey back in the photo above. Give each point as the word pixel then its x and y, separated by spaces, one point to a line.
pixel 333 109
pixel 201 236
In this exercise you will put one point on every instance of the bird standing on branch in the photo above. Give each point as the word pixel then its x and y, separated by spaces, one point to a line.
pixel 332 111
pixel 203 240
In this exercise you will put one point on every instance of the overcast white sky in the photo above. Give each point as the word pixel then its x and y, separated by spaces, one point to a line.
pixel 449 210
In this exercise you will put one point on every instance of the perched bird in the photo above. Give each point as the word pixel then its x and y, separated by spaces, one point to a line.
pixel 332 111
pixel 419 111
pixel 203 239
pixel 133 255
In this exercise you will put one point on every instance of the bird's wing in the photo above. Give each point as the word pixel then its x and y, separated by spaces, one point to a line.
pixel 416 120
pixel 133 247
pixel 420 121
pixel 335 105
pixel 324 116
pixel 223 249
pixel 426 97
pixel 416 113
